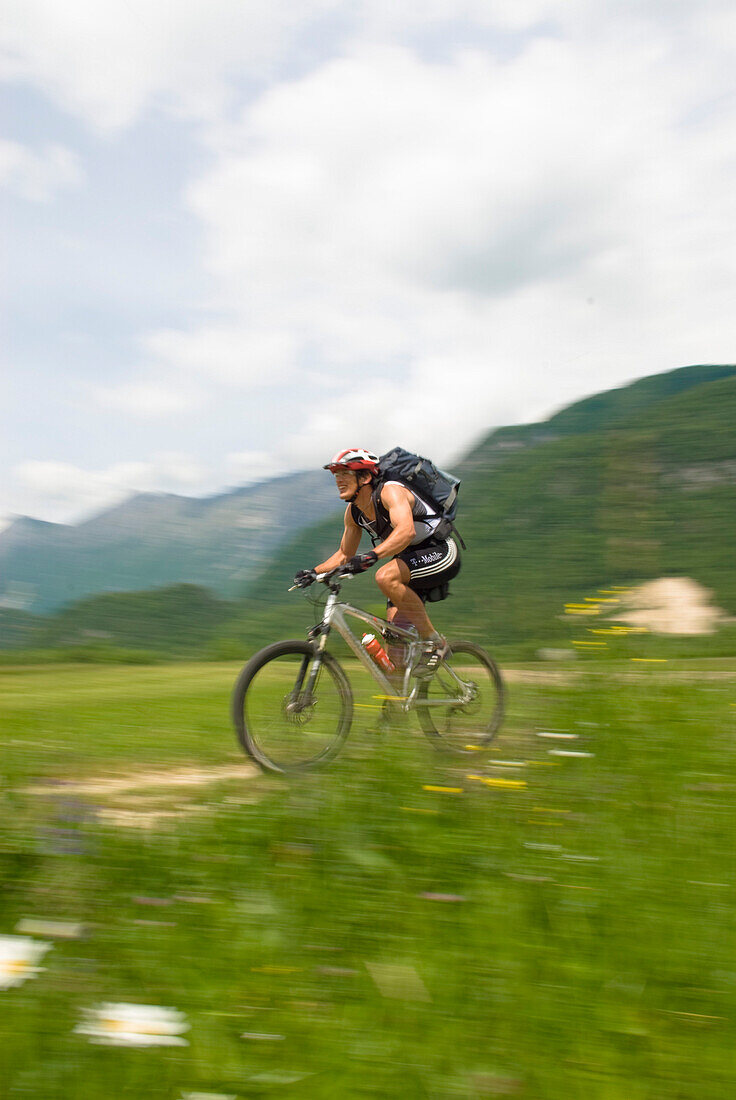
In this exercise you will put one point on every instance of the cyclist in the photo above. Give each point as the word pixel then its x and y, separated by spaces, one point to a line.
pixel 417 565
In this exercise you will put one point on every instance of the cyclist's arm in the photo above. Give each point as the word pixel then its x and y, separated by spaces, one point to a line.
pixel 348 546
pixel 398 501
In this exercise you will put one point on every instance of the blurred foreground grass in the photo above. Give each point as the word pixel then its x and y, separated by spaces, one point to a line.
pixel 402 924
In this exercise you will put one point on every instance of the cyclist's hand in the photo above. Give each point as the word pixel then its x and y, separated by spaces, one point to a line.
pixel 360 562
pixel 304 578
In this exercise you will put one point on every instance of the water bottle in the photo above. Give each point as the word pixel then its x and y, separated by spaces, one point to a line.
pixel 372 645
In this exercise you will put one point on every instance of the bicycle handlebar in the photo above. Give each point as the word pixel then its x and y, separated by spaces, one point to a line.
pixel 324 578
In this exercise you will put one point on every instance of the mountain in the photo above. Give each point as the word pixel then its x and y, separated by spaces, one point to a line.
pixel 155 539
pixel 619 488
pixel 600 412
pixel 628 485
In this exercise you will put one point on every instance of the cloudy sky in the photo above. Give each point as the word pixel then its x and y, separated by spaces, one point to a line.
pixel 240 235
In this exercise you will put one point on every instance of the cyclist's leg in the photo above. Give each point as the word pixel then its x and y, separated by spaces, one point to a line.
pixel 395 584
pixel 397 651
pixel 410 578
pixel 432 565
pixel 394 579
pixel 395 616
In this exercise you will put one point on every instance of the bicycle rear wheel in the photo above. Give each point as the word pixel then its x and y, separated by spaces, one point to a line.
pixel 277 725
pixel 461 706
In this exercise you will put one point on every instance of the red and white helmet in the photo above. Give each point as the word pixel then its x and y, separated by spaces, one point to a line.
pixel 354 458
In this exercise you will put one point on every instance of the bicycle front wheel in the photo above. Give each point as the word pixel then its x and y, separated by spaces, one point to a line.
pixel 461 706
pixel 281 726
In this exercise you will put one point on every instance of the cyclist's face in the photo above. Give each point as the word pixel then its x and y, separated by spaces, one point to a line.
pixel 347 483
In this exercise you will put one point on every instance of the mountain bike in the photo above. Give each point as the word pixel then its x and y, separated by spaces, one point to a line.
pixel 292 704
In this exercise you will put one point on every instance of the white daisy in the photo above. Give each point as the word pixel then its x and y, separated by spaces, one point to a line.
pixel 18 958
pixel 130 1025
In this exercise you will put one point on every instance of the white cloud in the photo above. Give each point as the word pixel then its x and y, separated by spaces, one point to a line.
pixel 111 62
pixel 108 62
pixel 464 242
pixel 59 490
pixel 181 369
pixel 246 467
pixel 146 398
pixel 244 358
pixel 37 175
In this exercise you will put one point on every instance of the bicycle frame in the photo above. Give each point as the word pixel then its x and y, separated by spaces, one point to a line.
pixel 335 615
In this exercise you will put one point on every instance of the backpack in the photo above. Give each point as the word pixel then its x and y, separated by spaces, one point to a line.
pixel 437 487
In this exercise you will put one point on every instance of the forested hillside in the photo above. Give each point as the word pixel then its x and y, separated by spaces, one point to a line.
pixel 623 487
pixel 179 619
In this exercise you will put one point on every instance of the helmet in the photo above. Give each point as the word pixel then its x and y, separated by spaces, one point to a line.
pixel 354 458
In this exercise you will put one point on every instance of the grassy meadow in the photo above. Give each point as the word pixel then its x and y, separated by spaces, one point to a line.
pixel 522 922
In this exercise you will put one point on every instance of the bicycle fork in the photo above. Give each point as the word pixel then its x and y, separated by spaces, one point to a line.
pixel 302 696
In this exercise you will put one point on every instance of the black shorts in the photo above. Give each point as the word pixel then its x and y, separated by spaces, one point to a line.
pixel 432 566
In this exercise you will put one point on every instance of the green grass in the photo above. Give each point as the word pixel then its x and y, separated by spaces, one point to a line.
pixel 588 951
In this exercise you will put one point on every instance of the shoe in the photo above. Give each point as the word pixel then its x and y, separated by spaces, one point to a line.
pixel 429 659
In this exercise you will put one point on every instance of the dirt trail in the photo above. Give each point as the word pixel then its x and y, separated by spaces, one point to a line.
pixel 106 786
pixel 541 675
pixel 147 799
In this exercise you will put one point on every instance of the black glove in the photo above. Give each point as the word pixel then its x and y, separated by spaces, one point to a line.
pixel 360 562
pixel 304 578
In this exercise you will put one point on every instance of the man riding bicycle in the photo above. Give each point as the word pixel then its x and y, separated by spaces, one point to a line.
pixel 418 565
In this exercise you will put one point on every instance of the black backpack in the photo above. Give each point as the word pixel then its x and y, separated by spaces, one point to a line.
pixel 436 487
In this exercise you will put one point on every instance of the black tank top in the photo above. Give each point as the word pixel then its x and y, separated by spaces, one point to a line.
pixel 426 518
